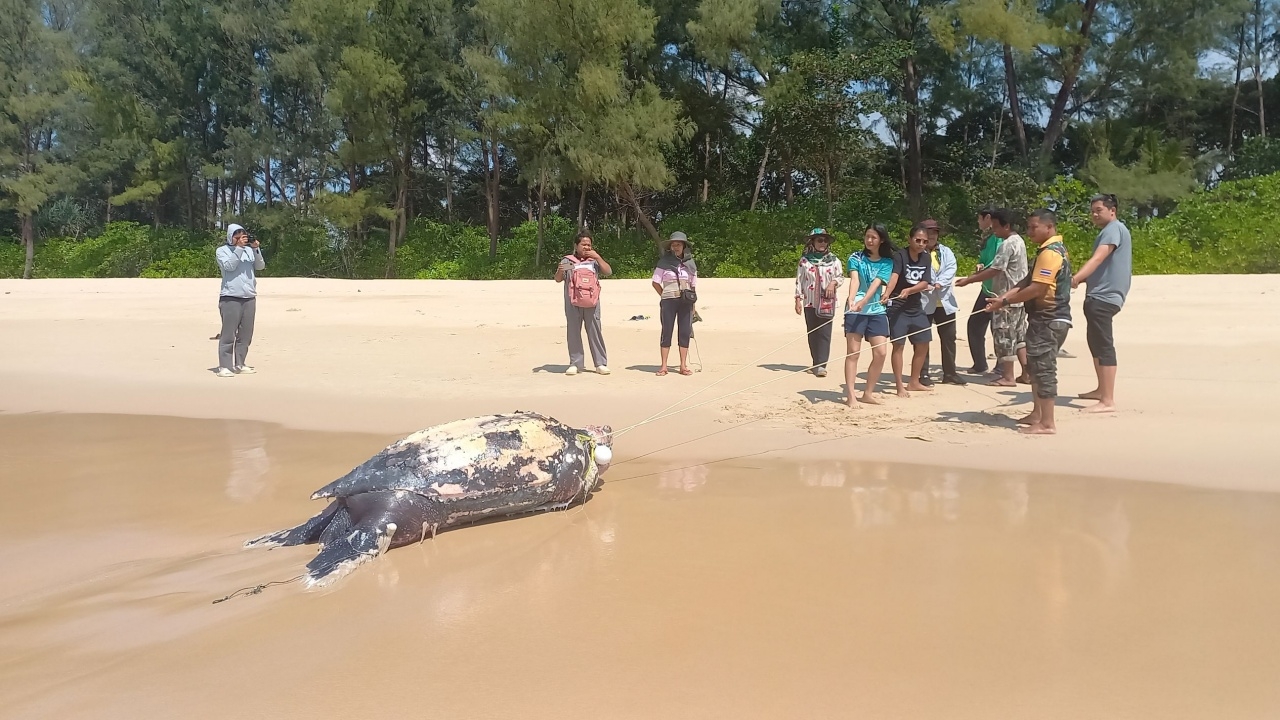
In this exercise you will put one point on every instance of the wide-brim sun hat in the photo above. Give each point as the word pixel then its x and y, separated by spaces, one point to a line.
pixel 677 236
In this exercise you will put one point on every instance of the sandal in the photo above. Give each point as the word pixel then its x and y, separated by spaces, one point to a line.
pixel 661 372
pixel 686 371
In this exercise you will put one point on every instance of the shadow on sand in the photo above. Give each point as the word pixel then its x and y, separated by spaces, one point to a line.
pixel 782 367
pixel 816 396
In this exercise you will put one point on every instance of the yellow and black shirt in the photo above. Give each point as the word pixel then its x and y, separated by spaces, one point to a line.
pixel 1052 268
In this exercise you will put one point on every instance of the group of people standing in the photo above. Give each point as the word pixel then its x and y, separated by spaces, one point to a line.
pixel 897 296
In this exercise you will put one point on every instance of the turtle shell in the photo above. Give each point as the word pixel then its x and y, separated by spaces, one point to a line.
pixel 471 458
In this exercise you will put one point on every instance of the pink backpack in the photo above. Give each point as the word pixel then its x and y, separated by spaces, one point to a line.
pixel 584 283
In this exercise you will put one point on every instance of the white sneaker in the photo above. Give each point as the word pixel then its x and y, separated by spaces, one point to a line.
pixel 573 370
pixel 225 372
pixel 602 369
pixel 245 370
pixel 820 372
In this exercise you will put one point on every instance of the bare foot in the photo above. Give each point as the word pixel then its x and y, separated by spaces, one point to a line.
pixel 1032 419
pixel 1025 378
pixel 1038 430
pixel 917 387
pixel 1091 395
pixel 851 401
pixel 661 371
pixel 1002 382
pixel 870 399
pixel 903 393
pixel 1099 409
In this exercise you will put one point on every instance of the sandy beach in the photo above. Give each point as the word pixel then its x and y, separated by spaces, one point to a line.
pixel 767 554
pixel 394 356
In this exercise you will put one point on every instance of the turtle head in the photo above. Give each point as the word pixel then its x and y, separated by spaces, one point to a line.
pixel 602 437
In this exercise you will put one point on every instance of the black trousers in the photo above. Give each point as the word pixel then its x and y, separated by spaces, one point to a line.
pixel 947 334
pixel 979 323
pixel 820 338
pixel 673 312
pixel 1099 333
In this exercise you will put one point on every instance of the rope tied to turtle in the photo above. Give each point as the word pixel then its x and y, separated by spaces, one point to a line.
pixel 255 589
pixel 663 414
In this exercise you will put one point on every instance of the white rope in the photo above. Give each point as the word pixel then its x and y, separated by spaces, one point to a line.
pixel 622 432
pixel 867 433
pixel 660 416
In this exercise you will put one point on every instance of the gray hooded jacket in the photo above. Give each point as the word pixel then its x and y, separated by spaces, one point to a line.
pixel 238 266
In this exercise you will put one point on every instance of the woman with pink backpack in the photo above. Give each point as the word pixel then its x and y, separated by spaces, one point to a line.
pixel 581 273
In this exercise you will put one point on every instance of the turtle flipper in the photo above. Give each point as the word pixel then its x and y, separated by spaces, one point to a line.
pixel 341 555
pixel 305 534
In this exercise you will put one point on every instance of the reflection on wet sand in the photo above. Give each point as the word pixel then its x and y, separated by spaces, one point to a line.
pixel 249 460
pixel 685 479
pixel 758 591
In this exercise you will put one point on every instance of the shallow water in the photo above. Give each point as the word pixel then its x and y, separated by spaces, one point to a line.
pixel 736 590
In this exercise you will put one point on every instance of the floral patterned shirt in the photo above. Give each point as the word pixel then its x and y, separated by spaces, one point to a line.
pixel 814 277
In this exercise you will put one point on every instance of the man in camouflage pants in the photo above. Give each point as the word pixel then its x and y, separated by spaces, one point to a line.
pixel 1008 322
pixel 1047 294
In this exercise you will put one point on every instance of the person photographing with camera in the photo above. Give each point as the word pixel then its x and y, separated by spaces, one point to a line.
pixel 239 260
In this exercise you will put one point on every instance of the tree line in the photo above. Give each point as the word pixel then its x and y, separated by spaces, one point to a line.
pixel 365 116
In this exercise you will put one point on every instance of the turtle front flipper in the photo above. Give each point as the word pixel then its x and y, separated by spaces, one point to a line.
pixel 342 555
pixel 365 527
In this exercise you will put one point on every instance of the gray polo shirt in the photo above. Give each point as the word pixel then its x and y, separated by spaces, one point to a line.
pixel 1110 282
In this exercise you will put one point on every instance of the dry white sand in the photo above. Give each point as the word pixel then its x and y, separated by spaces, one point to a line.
pixel 1197 357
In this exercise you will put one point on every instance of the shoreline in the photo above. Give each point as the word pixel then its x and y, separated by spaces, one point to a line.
pixel 394 356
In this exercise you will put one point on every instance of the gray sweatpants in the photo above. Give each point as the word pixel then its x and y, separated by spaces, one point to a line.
pixel 237 330
pixel 575 319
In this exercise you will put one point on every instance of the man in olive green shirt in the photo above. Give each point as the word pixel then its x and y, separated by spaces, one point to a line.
pixel 980 321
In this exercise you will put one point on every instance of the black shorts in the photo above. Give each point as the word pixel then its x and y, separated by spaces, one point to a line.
pixel 913 327
pixel 1102 343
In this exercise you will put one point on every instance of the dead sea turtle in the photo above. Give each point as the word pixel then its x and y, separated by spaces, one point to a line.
pixel 445 476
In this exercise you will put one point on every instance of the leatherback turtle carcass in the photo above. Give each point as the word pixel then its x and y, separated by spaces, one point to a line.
pixel 445 476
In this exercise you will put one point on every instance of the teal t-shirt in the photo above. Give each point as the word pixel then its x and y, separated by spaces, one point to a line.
pixel 985 256
pixel 868 270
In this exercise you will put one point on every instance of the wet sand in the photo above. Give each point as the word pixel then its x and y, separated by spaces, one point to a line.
pixel 744 589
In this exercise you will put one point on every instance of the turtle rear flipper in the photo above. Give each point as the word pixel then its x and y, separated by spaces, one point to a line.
pixel 305 534
pixel 344 554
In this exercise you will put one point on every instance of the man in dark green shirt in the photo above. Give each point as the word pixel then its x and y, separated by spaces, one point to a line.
pixel 980 321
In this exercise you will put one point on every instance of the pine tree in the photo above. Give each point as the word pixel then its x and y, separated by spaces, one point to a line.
pixel 36 104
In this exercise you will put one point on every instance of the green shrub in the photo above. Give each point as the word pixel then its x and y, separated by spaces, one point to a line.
pixel 185 263
pixel 1228 229
pixel 13 258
